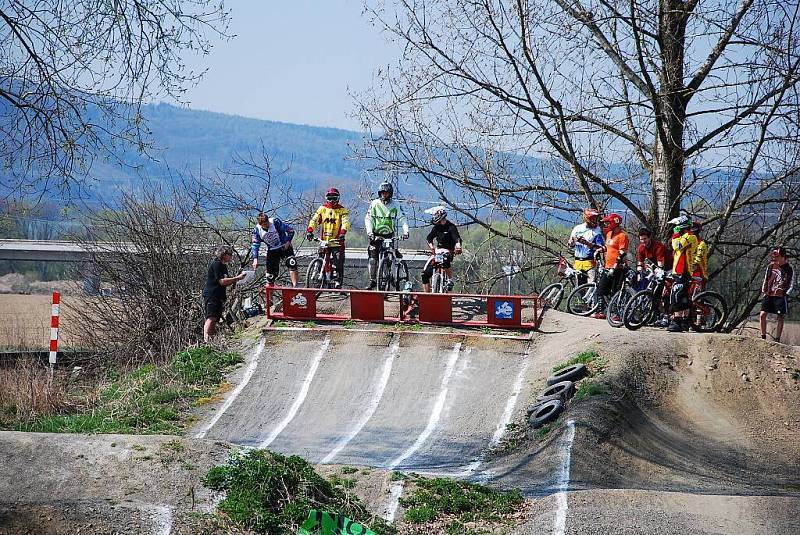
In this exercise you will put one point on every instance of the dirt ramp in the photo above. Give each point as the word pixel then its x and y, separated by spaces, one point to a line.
pixel 712 414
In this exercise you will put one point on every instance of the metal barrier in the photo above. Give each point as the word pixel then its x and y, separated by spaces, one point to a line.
pixel 505 311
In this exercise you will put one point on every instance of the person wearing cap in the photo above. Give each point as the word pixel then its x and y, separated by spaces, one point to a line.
pixel 778 284
pixel 684 249
pixel 333 220
pixel 616 243
pixel 217 280
pixel 586 238
pixel 381 221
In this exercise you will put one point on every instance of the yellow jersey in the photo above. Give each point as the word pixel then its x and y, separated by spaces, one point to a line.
pixel 332 219
pixel 685 247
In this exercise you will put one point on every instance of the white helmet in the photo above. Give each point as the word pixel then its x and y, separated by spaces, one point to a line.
pixel 681 222
pixel 438 214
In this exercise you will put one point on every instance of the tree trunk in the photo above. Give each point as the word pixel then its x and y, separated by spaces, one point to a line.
pixel 668 156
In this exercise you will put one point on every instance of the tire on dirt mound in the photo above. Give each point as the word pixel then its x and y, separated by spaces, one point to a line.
pixel 547 412
pixel 562 389
pixel 539 402
pixel 572 373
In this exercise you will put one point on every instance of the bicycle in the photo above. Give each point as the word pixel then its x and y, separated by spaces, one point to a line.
pixel 553 293
pixel 320 271
pixel 615 311
pixel 581 301
pixel 708 310
pixel 392 269
pixel 646 304
pixel 440 284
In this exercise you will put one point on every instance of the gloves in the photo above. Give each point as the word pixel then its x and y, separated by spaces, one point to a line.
pixel 341 234
pixel 310 236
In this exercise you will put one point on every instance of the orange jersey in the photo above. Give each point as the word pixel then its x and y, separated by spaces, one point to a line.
pixel 615 246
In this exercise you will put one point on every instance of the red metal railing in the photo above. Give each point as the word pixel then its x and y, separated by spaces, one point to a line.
pixel 504 311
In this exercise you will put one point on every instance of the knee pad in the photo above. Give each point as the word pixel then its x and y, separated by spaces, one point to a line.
pixel 291 263
pixel 679 297
pixel 271 277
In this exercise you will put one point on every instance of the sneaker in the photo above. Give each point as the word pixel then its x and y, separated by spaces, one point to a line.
pixel 337 285
pixel 449 286
pixel 598 316
pixel 675 327
pixel 663 322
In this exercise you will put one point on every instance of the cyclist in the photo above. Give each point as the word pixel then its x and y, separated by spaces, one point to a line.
pixel 652 250
pixel 615 247
pixel 447 237
pixel 700 257
pixel 684 247
pixel 778 284
pixel 382 218
pixel 586 238
pixel 277 236
pixel 333 220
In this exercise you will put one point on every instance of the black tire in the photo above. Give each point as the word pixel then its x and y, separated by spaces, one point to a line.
pixel 639 310
pixel 573 373
pixel 562 389
pixel 400 275
pixel 539 402
pixel 615 312
pixel 546 412
pixel 437 282
pixel 709 312
pixel 314 276
pixel 552 294
pixel 385 274
pixel 581 300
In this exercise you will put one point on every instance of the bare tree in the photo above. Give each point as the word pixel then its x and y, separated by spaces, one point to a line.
pixel 74 76
pixel 528 110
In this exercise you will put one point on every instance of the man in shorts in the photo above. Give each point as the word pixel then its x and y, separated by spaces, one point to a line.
pixel 778 284
pixel 214 290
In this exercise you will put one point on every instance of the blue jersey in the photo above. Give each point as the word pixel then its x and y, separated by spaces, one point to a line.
pixel 274 236
pixel 591 235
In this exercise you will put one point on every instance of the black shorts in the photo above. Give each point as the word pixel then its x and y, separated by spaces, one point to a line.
pixel 775 305
pixel 213 307
pixel 274 258
pixel 679 294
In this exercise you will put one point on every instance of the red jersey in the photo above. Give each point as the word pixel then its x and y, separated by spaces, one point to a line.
pixel 656 253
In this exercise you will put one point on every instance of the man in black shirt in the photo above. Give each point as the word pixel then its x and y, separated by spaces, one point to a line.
pixel 447 237
pixel 214 291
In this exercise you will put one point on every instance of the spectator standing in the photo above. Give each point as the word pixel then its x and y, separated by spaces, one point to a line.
pixel 217 280
pixel 778 284
pixel 277 236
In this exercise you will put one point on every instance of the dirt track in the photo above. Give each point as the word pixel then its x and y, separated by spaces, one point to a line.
pixel 699 434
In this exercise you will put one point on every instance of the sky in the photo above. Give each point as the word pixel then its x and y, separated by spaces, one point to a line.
pixel 292 61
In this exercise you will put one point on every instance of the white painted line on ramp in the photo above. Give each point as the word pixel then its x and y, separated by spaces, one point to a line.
pixel 436 413
pixel 301 396
pixel 563 481
pixel 394 349
pixel 162 518
pixel 505 418
pixel 248 374
pixel 395 492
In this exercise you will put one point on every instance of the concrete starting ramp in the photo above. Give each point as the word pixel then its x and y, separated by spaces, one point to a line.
pixel 411 401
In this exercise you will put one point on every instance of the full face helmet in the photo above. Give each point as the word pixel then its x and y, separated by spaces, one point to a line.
pixel 612 221
pixel 332 195
pixel 680 224
pixel 438 215
pixel 591 217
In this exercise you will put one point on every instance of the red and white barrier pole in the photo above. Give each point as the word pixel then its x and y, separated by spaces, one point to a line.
pixel 54 314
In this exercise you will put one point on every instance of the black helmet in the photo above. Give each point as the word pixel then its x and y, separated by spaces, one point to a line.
pixel 387 187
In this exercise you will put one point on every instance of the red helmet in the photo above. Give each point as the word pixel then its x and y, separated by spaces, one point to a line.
pixel 589 214
pixel 332 195
pixel 612 221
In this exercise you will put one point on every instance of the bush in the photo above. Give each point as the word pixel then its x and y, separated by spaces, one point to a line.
pixel 271 493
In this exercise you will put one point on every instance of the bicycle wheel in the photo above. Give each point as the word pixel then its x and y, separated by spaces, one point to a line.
pixel 437 282
pixel 385 274
pixel 400 275
pixel 581 300
pixel 709 311
pixel 638 310
pixel 552 294
pixel 615 312
pixel 314 275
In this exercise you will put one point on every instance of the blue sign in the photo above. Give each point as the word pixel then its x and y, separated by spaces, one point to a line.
pixel 504 310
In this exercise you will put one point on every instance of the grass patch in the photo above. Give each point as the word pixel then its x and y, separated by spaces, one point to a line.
pixel 590 388
pixel 594 364
pixel 348 324
pixel 310 324
pixel 271 493
pixel 458 503
pixel 146 400
pixel 543 431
